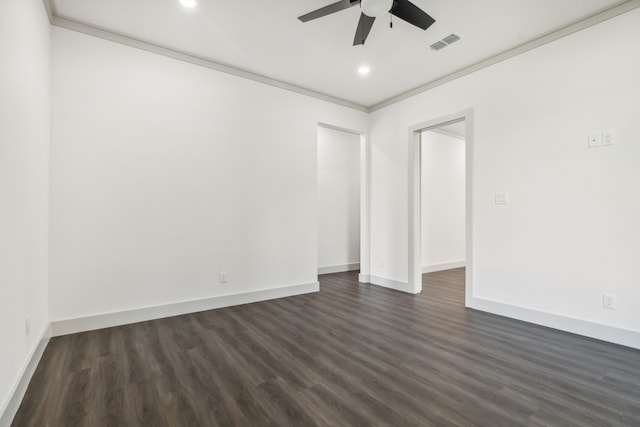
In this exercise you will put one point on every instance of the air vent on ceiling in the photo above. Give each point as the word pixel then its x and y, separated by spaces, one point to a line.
pixel 450 39
pixel 438 45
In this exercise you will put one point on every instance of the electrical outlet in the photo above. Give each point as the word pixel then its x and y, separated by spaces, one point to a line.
pixel 27 325
pixel 609 301
pixel 595 139
pixel 223 277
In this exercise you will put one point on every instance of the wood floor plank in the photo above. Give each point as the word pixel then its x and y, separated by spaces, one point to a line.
pixel 350 355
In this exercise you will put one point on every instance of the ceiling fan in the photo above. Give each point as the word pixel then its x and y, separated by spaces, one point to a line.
pixel 372 9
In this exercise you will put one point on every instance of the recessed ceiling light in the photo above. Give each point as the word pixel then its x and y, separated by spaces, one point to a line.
pixel 364 70
pixel 188 3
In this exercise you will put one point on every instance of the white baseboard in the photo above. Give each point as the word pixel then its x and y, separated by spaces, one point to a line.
pixel 392 284
pixel 444 266
pixel 339 268
pixel 107 320
pixel 625 337
pixel 364 278
pixel 10 408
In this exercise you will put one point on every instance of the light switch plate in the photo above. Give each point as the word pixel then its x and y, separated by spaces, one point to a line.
pixel 608 137
pixel 502 198
pixel 609 301
pixel 595 139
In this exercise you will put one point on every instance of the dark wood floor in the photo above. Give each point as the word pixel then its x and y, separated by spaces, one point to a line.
pixel 349 355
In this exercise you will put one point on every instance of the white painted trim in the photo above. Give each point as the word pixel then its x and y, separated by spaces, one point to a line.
pixel 448 133
pixel 365 197
pixel 102 33
pixel 365 204
pixel 414 211
pixel 364 278
pixel 442 267
pixel 415 198
pixel 612 334
pixel 340 129
pixel 10 407
pixel 598 17
pixel 393 284
pixel 339 268
pixel 107 320
pixel 51 10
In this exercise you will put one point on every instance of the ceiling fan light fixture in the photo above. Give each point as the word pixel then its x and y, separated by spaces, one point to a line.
pixel 375 8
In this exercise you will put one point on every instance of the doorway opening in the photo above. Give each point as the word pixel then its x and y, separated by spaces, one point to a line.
pixel 342 201
pixel 440 198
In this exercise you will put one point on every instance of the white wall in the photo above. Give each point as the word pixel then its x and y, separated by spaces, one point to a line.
pixel 24 158
pixel 338 198
pixel 571 229
pixel 164 174
pixel 443 195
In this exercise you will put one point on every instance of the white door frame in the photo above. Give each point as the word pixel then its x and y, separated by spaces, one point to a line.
pixel 365 187
pixel 415 202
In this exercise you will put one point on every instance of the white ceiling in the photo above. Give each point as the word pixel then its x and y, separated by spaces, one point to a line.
pixel 266 38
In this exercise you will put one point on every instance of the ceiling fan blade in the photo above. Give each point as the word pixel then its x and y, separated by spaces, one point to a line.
pixel 411 13
pixel 328 10
pixel 364 26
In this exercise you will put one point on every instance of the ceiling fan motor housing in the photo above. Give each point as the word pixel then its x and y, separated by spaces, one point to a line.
pixel 376 8
pixel 372 9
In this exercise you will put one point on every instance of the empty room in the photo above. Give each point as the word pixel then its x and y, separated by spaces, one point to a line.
pixel 319 213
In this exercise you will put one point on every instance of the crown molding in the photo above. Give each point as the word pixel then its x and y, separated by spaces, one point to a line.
pixel 51 9
pixel 103 33
pixel 582 24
